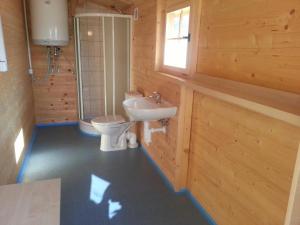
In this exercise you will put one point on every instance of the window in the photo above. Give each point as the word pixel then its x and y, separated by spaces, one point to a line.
pixel 177 38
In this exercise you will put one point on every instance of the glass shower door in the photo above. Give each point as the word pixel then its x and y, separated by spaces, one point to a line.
pixel 117 62
pixel 92 67
pixel 103 64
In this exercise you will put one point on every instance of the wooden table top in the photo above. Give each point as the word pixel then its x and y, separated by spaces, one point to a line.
pixel 36 203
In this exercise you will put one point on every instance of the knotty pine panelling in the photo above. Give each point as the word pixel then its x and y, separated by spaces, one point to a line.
pixel 241 163
pixel 146 80
pixel 16 99
pixel 255 42
pixel 55 96
pixel 163 146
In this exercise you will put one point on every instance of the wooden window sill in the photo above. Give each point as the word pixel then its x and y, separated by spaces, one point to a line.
pixel 278 104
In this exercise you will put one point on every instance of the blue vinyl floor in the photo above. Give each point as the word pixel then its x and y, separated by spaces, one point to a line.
pixel 98 188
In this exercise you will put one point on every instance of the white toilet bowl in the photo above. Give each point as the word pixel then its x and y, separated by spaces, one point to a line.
pixel 113 132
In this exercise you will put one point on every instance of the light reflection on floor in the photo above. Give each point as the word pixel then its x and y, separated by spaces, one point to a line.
pixel 131 191
pixel 113 208
pixel 98 189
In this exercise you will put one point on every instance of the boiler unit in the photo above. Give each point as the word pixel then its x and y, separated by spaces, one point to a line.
pixel 49 27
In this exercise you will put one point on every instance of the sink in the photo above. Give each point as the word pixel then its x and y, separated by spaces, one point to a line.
pixel 146 109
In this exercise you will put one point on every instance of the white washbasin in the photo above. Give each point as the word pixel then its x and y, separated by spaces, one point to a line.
pixel 146 109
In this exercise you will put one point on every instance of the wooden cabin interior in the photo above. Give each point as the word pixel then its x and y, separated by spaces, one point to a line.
pixel 149 112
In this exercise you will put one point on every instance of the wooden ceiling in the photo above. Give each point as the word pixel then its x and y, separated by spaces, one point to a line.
pixel 117 5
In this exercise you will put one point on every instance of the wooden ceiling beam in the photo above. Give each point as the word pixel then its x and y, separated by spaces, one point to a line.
pixel 105 5
pixel 80 3
pixel 120 6
pixel 128 2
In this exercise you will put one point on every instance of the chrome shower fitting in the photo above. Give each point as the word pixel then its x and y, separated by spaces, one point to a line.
pixel 53 58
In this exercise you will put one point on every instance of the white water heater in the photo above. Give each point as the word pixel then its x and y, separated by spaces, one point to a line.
pixel 49 22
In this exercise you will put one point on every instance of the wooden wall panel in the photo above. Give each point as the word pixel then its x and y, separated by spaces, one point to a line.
pixel 251 41
pixel 16 100
pixel 146 80
pixel 163 146
pixel 241 163
pixel 55 96
pixel 292 216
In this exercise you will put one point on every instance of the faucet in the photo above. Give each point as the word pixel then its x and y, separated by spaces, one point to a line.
pixel 156 96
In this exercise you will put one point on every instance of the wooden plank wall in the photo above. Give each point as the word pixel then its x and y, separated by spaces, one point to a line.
pixel 251 41
pixel 16 99
pixel 146 80
pixel 293 217
pixel 241 163
pixel 55 96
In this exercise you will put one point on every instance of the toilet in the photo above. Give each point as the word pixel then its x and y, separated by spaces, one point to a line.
pixel 114 130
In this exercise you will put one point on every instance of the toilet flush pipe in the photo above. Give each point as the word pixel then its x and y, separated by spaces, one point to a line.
pixel 132 140
pixel 129 125
pixel 30 70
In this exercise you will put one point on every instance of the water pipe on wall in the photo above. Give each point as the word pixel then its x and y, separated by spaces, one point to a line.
pixel 30 70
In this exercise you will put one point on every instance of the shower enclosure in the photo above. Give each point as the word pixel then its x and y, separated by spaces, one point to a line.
pixel 103 63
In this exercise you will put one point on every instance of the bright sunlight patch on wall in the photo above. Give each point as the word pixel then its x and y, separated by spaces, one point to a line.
pixel 19 145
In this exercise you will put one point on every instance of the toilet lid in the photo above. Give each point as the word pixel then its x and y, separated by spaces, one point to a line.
pixel 109 119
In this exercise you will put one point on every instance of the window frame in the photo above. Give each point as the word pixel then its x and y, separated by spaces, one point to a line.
pixel 172 69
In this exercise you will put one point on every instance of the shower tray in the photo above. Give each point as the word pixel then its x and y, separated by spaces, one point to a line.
pixel 86 127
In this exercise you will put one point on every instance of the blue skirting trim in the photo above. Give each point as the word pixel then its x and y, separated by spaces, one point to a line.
pixel 57 124
pixel 200 208
pixel 184 192
pixel 158 170
pixel 24 164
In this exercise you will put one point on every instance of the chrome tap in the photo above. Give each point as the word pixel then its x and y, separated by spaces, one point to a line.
pixel 156 96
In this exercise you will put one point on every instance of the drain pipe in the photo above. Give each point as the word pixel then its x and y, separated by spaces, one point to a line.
pixel 149 131
pixel 30 70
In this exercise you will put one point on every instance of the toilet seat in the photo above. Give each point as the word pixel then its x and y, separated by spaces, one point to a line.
pixel 113 132
pixel 108 120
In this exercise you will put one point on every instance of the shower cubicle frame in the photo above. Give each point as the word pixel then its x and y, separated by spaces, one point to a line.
pixel 78 58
